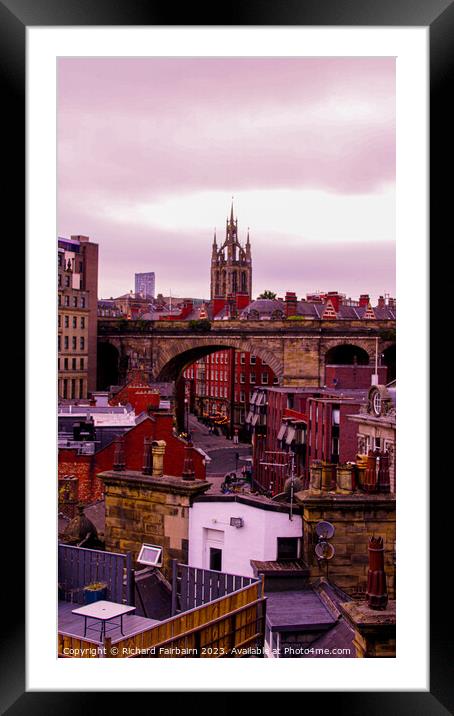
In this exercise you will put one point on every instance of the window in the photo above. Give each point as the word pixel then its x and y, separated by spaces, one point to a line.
pixel 59 343
pixel 81 267
pixel 264 362
pixel 74 364
pixel 75 301
pixel 336 414
pixel 74 321
pixel 59 280
pixel 74 343
pixel 66 300
pixel 264 378
pixel 82 302
pixel 82 343
pixel 217 358
pixel 151 555
pixel 65 364
pixel 253 360
pixel 60 259
pixel 252 378
pixel 81 388
pixel 59 299
pixel 242 396
pixel 59 321
pixel 242 378
pixel 242 359
pixel 287 548
pixel 216 559
pixel 66 342
pixel 82 322
pixel 275 380
pixel 67 281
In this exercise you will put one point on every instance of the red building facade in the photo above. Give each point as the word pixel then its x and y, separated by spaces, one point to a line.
pixel 210 381
pixel 291 427
pixel 84 468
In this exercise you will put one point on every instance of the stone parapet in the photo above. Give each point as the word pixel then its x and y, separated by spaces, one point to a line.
pixel 375 630
pixel 356 517
pixel 149 509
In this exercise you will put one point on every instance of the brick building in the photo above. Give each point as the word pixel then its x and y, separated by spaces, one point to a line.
pixel 210 381
pixel 77 316
pixel 79 466
pixel 375 424
pixel 291 427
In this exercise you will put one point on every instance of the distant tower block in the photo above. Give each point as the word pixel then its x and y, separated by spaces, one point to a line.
pixel 231 270
pixel 144 284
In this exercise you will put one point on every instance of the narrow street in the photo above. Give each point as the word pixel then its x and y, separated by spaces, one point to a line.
pixel 221 451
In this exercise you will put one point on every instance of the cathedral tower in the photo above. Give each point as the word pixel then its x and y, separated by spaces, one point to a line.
pixel 231 271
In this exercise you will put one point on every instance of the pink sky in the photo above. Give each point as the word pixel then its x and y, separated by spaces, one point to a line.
pixel 150 152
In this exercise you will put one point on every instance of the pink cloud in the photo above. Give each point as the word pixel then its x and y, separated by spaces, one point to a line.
pixel 133 130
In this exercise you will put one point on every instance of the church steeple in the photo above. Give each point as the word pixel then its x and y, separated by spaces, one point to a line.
pixel 214 251
pixel 231 269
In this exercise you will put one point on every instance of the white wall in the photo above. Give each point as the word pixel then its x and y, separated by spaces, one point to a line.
pixel 257 539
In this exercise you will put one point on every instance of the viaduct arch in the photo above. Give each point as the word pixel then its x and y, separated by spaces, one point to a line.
pixel 296 353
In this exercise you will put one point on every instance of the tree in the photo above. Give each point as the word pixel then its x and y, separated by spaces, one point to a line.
pixel 268 294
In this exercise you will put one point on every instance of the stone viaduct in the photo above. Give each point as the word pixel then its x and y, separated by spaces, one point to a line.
pixel 296 350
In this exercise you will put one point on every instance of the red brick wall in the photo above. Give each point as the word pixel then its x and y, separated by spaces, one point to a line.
pixel 86 467
pixel 140 396
pixel 353 376
pixel 319 431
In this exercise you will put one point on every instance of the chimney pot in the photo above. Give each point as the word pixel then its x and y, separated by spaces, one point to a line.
pixel 377 593
pixel 158 448
pixel 119 454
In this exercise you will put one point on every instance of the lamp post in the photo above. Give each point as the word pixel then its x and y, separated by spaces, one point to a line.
pixel 186 405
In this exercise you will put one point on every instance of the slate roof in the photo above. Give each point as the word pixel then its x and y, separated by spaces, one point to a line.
pixel 265 308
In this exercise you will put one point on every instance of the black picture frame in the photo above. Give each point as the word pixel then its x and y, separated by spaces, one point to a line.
pixel 15 17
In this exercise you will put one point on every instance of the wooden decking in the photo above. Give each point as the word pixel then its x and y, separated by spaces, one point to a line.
pixel 73 625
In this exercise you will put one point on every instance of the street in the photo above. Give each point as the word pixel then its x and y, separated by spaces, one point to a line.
pixel 221 451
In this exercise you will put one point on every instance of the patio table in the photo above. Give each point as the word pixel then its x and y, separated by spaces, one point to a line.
pixel 103 611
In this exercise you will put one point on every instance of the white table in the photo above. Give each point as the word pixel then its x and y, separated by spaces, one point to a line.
pixel 104 612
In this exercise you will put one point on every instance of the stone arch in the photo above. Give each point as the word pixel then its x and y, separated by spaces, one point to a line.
pixel 108 365
pixel 388 358
pixel 346 354
pixel 177 355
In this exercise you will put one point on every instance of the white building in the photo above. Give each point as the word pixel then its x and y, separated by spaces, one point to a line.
pixel 226 532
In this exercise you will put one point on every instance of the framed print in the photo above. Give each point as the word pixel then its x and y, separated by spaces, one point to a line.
pixel 239 207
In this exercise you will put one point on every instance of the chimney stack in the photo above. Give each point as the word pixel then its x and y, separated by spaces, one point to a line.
pixel 158 448
pixel 188 469
pixel 336 299
pixel 147 461
pixel 381 302
pixel 377 593
pixel 291 304
pixel 364 299
pixel 119 454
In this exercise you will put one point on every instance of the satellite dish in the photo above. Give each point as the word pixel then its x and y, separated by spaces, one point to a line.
pixel 324 550
pixel 324 530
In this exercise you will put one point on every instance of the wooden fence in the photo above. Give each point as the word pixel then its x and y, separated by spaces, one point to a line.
pixel 192 587
pixel 231 626
pixel 78 567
